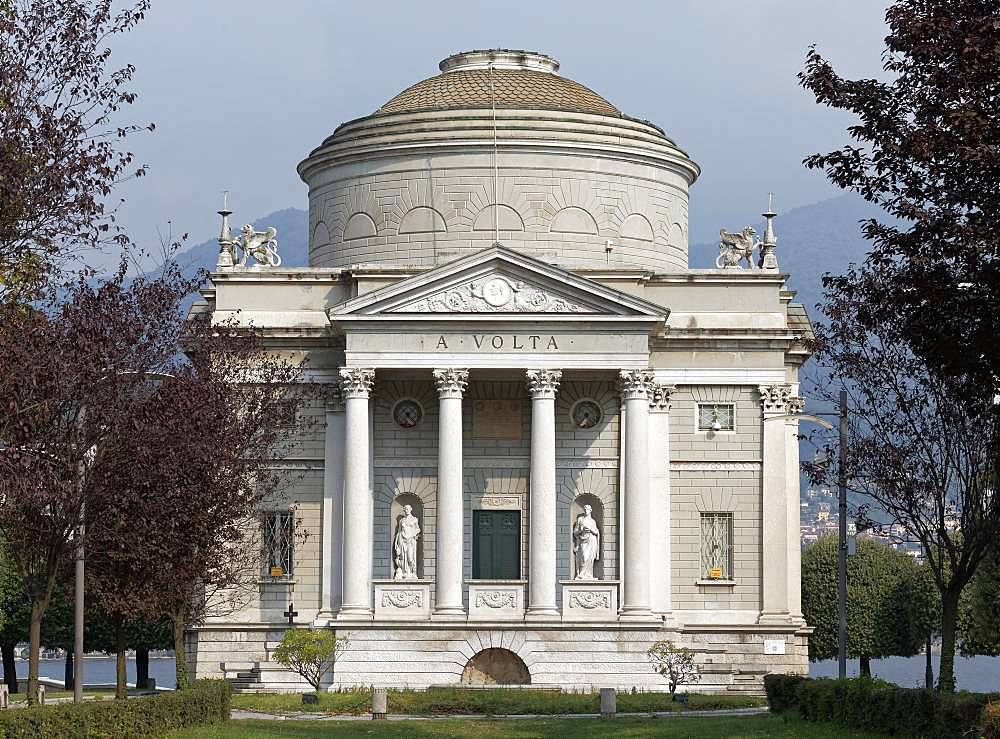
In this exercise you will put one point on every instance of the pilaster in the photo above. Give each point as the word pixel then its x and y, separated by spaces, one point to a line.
pixel 659 485
pixel 775 586
pixel 332 553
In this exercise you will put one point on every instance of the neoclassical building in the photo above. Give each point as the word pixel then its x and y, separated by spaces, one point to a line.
pixel 543 441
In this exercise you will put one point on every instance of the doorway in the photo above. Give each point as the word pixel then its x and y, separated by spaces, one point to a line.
pixel 496 545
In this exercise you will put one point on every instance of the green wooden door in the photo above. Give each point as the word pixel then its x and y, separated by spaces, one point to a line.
pixel 496 546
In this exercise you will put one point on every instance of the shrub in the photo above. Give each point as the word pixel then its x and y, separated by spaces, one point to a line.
pixel 991 720
pixel 874 705
pixel 780 691
pixel 310 652
pixel 674 663
pixel 205 702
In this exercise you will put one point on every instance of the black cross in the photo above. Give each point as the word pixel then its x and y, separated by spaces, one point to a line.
pixel 290 614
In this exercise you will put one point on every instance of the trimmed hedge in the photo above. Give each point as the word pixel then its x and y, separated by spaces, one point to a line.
pixel 875 705
pixel 205 702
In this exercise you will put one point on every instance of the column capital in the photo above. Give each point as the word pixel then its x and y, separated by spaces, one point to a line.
pixel 796 404
pixel 635 384
pixel 543 383
pixel 659 398
pixel 357 382
pixel 451 382
pixel 774 399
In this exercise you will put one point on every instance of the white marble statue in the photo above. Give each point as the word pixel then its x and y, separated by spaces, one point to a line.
pixel 259 246
pixel 405 545
pixel 735 248
pixel 587 544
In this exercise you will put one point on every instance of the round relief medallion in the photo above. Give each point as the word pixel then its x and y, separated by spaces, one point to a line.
pixel 586 414
pixel 407 413
pixel 497 292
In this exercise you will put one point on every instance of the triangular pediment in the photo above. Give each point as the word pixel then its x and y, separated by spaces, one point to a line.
pixel 498 281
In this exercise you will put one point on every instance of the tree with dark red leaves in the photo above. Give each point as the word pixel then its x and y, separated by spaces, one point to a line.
pixel 927 150
pixel 61 100
pixel 69 374
pixel 177 533
pixel 912 332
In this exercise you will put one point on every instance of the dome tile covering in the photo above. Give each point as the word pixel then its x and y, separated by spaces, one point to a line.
pixel 514 89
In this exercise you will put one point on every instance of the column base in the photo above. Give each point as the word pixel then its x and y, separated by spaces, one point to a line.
pixel 542 614
pixel 324 618
pixel 449 614
pixel 776 619
pixel 354 613
pixel 639 616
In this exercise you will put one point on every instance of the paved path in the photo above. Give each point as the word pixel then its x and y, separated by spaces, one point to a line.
pixel 241 714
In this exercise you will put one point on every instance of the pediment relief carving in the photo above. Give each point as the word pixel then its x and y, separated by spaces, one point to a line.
pixel 494 293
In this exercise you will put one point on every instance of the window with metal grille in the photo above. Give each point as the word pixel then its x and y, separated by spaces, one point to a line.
pixel 277 540
pixel 711 413
pixel 717 546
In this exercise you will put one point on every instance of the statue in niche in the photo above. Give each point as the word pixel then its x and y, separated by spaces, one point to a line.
pixel 586 544
pixel 405 545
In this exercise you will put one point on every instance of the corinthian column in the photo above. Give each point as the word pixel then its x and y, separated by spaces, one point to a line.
pixel 542 385
pixel 451 383
pixel 636 389
pixel 775 588
pixel 356 387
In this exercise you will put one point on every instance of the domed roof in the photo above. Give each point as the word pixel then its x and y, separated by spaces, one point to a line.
pixel 518 80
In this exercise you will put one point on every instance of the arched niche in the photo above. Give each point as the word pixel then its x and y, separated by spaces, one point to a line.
pixel 676 235
pixel 320 235
pixel 637 227
pixel 417 505
pixel 422 220
pixel 575 509
pixel 573 220
pixel 359 226
pixel 510 219
pixel 496 666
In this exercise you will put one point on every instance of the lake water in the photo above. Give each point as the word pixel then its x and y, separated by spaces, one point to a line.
pixel 102 670
pixel 978 674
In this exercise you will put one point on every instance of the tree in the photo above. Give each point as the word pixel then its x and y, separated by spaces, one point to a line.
pixel 312 653
pixel 674 663
pixel 922 448
pixel 928 152
pixel 980 617
pixel 68 373
pixel 886 608
pixel 60 101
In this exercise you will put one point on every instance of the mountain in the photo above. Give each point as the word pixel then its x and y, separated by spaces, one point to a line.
pixel 813 239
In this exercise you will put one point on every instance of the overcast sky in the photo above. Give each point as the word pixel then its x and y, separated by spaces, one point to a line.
pixel 241 90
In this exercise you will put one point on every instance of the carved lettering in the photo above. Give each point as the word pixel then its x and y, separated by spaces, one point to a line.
pixel 516 345
pixel 552 343
pixel 479 341
pixel 534 341
pixel 442 344
pixel 497 342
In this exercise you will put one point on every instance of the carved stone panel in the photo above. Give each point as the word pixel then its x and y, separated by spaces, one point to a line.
pixel 496 600
pixel 407 600
pixel 494 294
pixel 590 601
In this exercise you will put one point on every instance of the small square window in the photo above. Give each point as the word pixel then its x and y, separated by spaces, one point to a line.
pixel 716 417
pixel 717 546
pixel 276 543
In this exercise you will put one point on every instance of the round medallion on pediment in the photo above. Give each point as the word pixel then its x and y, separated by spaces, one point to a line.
pixel 497 292
pixel 586 413
pixel 407 413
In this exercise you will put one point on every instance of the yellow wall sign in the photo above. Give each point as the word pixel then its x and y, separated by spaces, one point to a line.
pixel 715 573
pixel 277 571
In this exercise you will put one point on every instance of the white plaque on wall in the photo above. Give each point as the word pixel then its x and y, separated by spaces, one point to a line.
pixel 774 646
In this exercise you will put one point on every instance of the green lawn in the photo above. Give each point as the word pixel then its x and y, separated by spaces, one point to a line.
pixel 737 726
pixel 457 701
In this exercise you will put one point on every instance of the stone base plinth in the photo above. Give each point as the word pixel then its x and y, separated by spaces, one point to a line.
pixel 405 600
pixel 589 600
pixel 496 600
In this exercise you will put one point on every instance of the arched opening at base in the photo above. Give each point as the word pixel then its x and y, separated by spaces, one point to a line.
pixel 496 666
